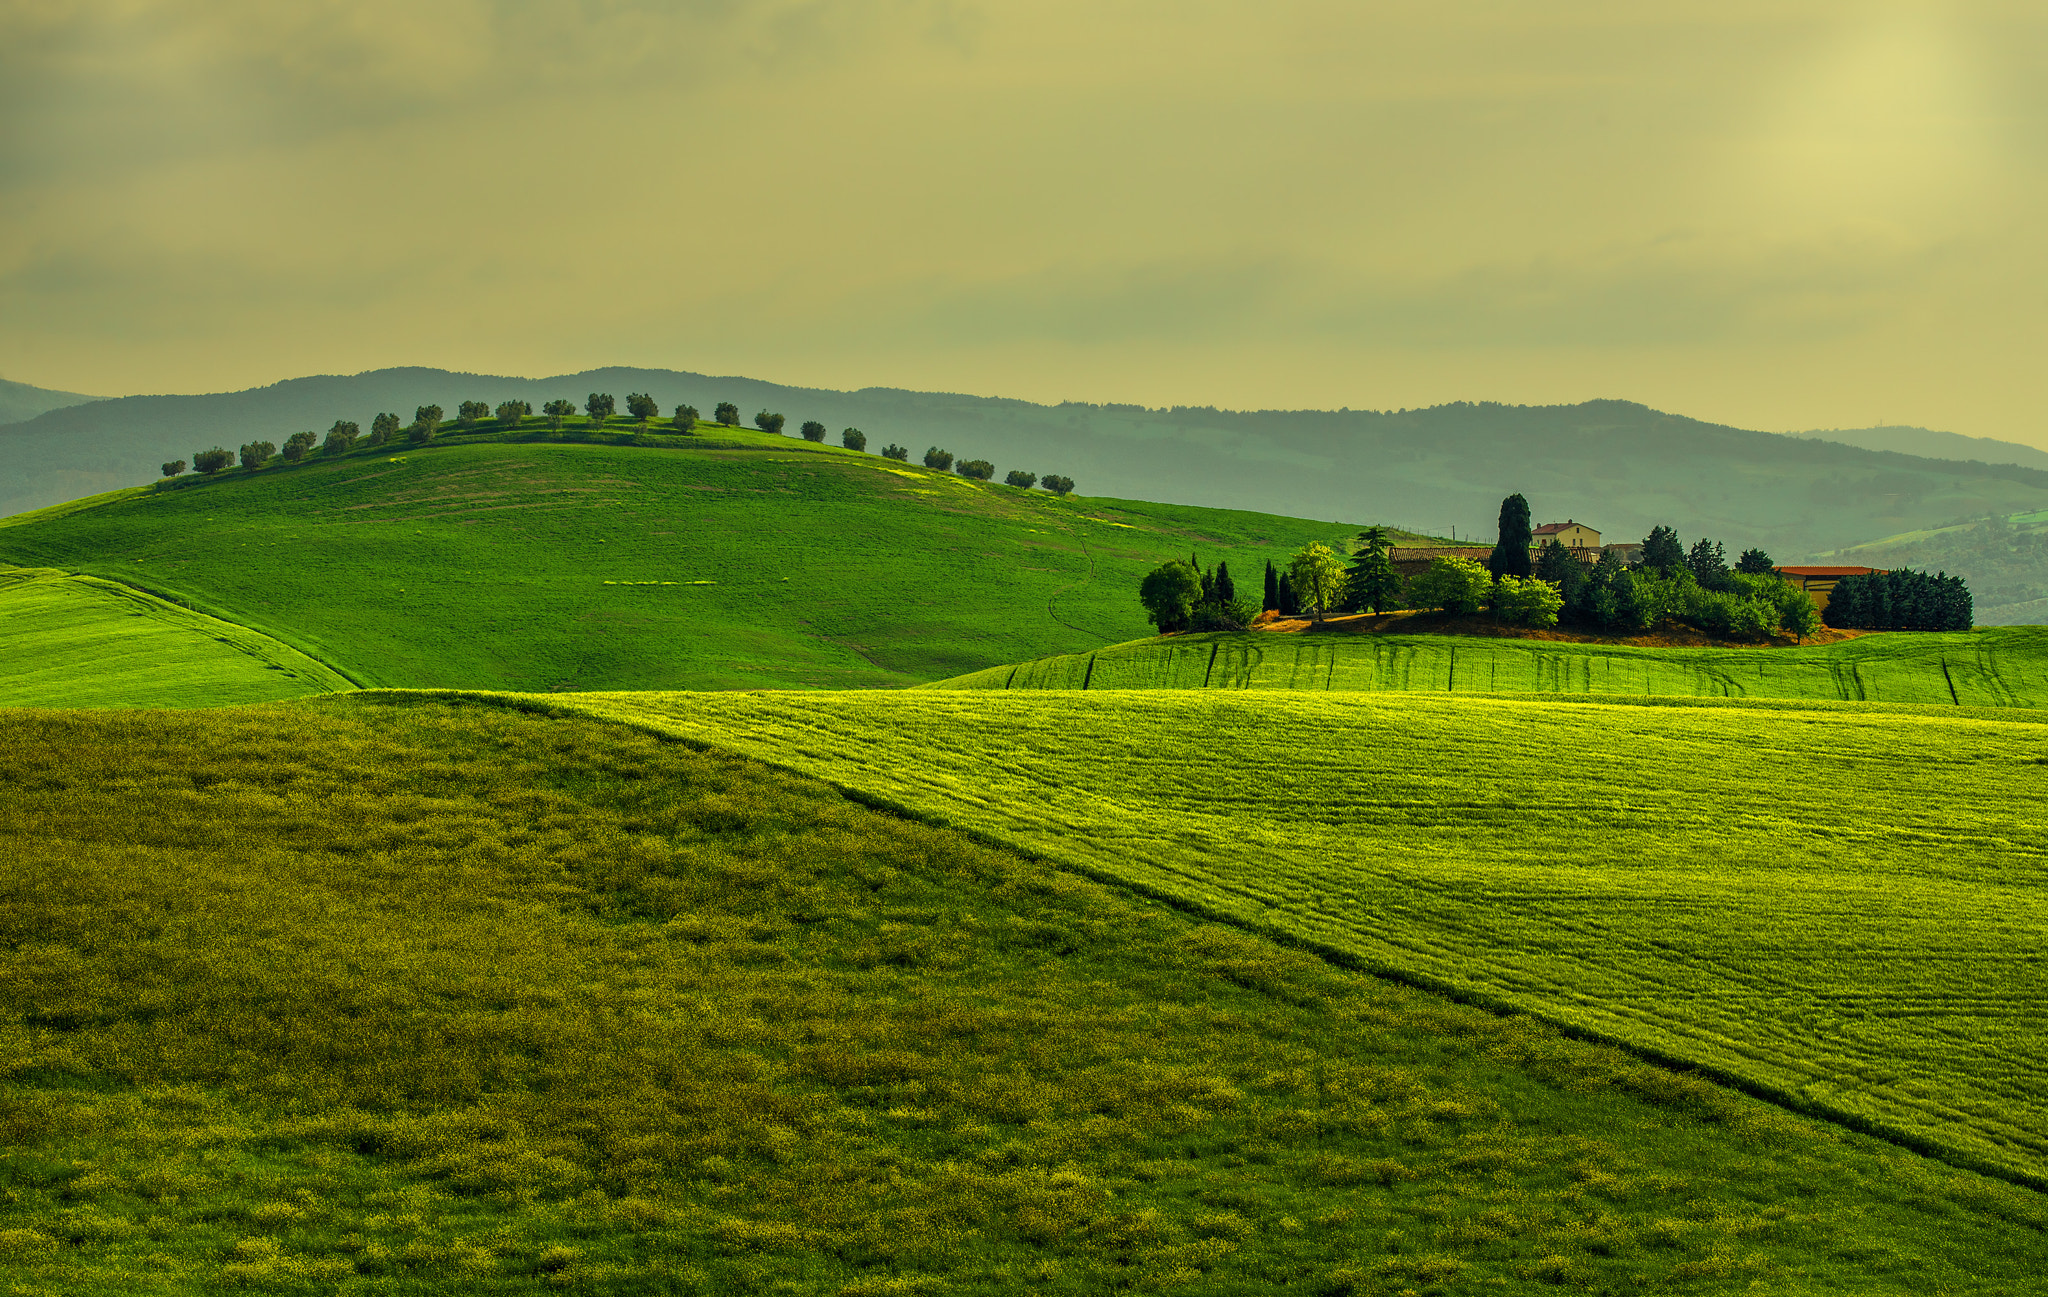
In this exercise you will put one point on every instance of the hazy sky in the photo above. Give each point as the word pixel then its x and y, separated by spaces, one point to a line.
pixel 1780 215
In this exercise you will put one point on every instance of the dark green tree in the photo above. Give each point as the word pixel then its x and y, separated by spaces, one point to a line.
pixel 1272 602
pixel 727 413
pixel 1706 564
pixel 938 459
pixel 686 418
pixel 853 439
pixel 469 413
pixel 1511 550
pixel 1564 569
pixel 1169 593
pixel 383 428
pixel 426 422
pixel 256 454
pixel 1056 484
pixel 1226 589
pixel 556 411
pixel 643 407
pixel 1662 553
pixel 212 462
pixel 896 452
pixel 1018 477
pixel 1372 584
pixel 769 423
pixel 813 431
pixel 341 438
pixel 298 446
pixel 978 469
pixel 1289 605
pixel 174 467
pixel 1755 562
pixel 599 407
pixel 511 412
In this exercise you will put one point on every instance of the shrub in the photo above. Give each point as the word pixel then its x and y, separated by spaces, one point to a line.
pixel 256 454
pixel 939 459
pixel 769 423
pixel 853 439
pixel 727 413
pixel 1459 586
pixel 174 467
pixel 1526 601
pixel 1018 477
pixel 1224 614
pixel 212 462
pixel 1056 484
pixel 896 452
pixel 813 430
pixel 978 469
pixel 686 418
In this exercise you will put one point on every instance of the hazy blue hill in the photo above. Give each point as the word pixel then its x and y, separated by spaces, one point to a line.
pixel 20 401
pixel 1934 445
pixel 1620 466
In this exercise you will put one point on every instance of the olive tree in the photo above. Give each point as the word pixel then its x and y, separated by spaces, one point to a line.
pixel 813 430
pixel 978 469
pixel 896 452
pixel 1056 484
pixel 686 418
pixel 297 446
pixel 470 413
pixel 556 411
pixel 769 423
pixel 1018 477
pixel 256 454
pixel 511 412
pixel 642 406
pixel 853 439
pixel 174 467
pixel 212 462
pixel 341 438
pixel 939 459
pixel 727 413
pixel 383 428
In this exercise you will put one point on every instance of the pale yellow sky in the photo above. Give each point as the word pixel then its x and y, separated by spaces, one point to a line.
pixel 1779 215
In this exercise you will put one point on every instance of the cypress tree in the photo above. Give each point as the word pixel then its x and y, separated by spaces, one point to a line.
pixel 1226 589
pixel 1272 603
pixel 1511 550
pixel 1288 606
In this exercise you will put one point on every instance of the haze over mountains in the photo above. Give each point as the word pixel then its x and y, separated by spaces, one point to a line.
pixel 1620 466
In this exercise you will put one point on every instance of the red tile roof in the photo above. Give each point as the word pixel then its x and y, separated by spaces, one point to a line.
pixel 1557 526
pixel 1829 571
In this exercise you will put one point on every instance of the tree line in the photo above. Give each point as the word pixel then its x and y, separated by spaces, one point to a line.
pixel 599 409
pixel 1694 586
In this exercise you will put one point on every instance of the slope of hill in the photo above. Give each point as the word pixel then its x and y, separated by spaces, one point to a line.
pixel 1621 465
pixel 2004 558
pixel 20 402
pixel 1826 905
pixel 1933 445
pixel 2002 667
pixel 78 641
pixel 702 562
pixel 409 996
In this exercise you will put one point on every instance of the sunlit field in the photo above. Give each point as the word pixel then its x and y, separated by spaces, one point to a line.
pixel 376 994
pixel 77 641
pixel 1837 905
pixel 1987 667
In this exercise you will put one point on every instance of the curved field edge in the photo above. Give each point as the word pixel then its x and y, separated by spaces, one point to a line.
pixel 1986 667
pixel 69 640
pixel 343 995
pixel 886 760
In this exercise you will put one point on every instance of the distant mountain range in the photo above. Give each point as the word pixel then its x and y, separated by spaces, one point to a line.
pixel 19 401
pixel 1933 445
pixel 1616 465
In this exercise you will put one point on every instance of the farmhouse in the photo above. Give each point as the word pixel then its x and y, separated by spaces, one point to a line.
pixel 1570 534
pixel 1819 581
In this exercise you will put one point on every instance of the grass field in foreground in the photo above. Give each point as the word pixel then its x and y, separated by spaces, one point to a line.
pixel 367 994
pixel 1986 667
pixel 739 560
pixel 1842 906
pixel 77 641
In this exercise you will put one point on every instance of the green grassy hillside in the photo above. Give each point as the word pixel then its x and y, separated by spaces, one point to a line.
pixel 2004 558
pixel 368 994
pixel 706 562
pixel 1987 667
pixel 78 641
pixel 1832 903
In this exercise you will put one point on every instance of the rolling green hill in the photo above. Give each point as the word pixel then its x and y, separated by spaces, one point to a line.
pixel 78 641
pixel 400 994
pixel 1833 904
pixel 1620 465
pixel 2003 557
pixel 1987 667
pixel 737 559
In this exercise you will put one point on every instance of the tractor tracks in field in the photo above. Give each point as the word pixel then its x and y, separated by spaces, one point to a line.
pixel 1053 599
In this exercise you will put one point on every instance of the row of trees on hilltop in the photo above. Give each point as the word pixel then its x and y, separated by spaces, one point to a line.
pixel 599 408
